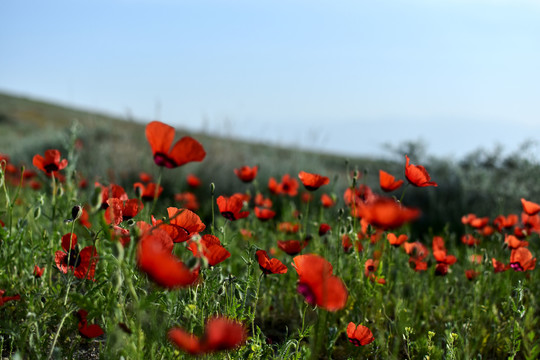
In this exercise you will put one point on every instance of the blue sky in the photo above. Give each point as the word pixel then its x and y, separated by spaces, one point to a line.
pixel 340 76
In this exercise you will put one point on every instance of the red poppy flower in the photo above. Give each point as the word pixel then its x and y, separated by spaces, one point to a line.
pixel 359 335
pixel 264 214
pixel 505 222
pixel 385 213
pixel 292 247
pixel 347 244
pixel 388 182
pixel 288 227
pixel 471 274
pixel 327 201
pixel 149 191
pixel 324 229
pixel 187 200
pixel 499 266
pixel 145 177
pixel 317 284
pixel 160 136
pixel 247 174
pixel 513 242
pixel 183 224
pixel 50 163
pixel 193 181
pixel 260 200
pixel 211 248
pixel 112 191
pixel 417 175
pixel 479 223
pixel 88 331
pixel 370 268
pixel 396 240
pixel 82 263
pixel 529 207
pixel 486 230
pixel 521 260
pixel 38 272
pixel 439 252
pixel 221 333
pixel 466 219
pixel 288 186
pixel 231 207
pixel 270 266
pixel 312 181
pixel 246 234
pixel 122 210
pixel 469 240
pixel 5 299
pixel 306 197
pixel 120 234
pixel 273 186
pixel 154 257
pixel 417 252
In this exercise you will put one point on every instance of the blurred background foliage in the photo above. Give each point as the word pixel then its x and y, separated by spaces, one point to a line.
pixel 486 182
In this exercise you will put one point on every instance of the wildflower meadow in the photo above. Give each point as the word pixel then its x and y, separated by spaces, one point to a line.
pixel 302 264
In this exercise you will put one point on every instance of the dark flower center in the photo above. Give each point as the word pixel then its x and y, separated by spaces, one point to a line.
pixel 72 258
pixel 229 215
pixel 51 167
pixel 163 160
pixel 304 290
pixel 516 266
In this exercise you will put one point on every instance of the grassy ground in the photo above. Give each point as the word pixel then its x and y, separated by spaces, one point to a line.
pixel 413 315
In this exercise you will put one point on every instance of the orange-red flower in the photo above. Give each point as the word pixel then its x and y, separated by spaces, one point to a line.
pixel 220 334
pixel 110 192
pixel 359 335
pixel 513 242
pixel 247 174
pixel 499 266
pixel 38 272
pixel 417 253
pixel 148 191
pixel 417 175
pixel 88 331
pixel 386 213
pixel 324 229
pixel 187 200
pixel 160 136
pixel 260 200
pixel 396 240
pixel 154 257
pixel 469 240
pixel 529 207
pixel 231 207
pixel 50 163
pixel 270 266
pixel 288 186
pixel 388 182
pixel 521 259
pixel 193 181
pixel 82 263
pixel 505 222
pixel 183 224
pixel 370 268
pixel 317 284
pixel 292 247
pixel 211 248
pixel 327 201
pixel 347 244
pixel 5 299
pixel 479 223
pixel 312 181
pixel 471 274
pixel 264 214
pixel 122 210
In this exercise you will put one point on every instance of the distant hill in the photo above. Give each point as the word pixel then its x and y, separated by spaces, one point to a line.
pixel 110 149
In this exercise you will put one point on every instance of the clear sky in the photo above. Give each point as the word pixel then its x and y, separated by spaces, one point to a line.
pixel 339 76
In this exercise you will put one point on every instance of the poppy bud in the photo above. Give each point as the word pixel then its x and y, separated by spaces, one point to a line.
pixel 212 188
pixel 76 212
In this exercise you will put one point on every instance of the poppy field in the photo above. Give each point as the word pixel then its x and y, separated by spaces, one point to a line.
pixel 292 265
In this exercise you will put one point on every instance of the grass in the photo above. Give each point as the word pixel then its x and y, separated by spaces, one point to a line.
pixel 413 315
